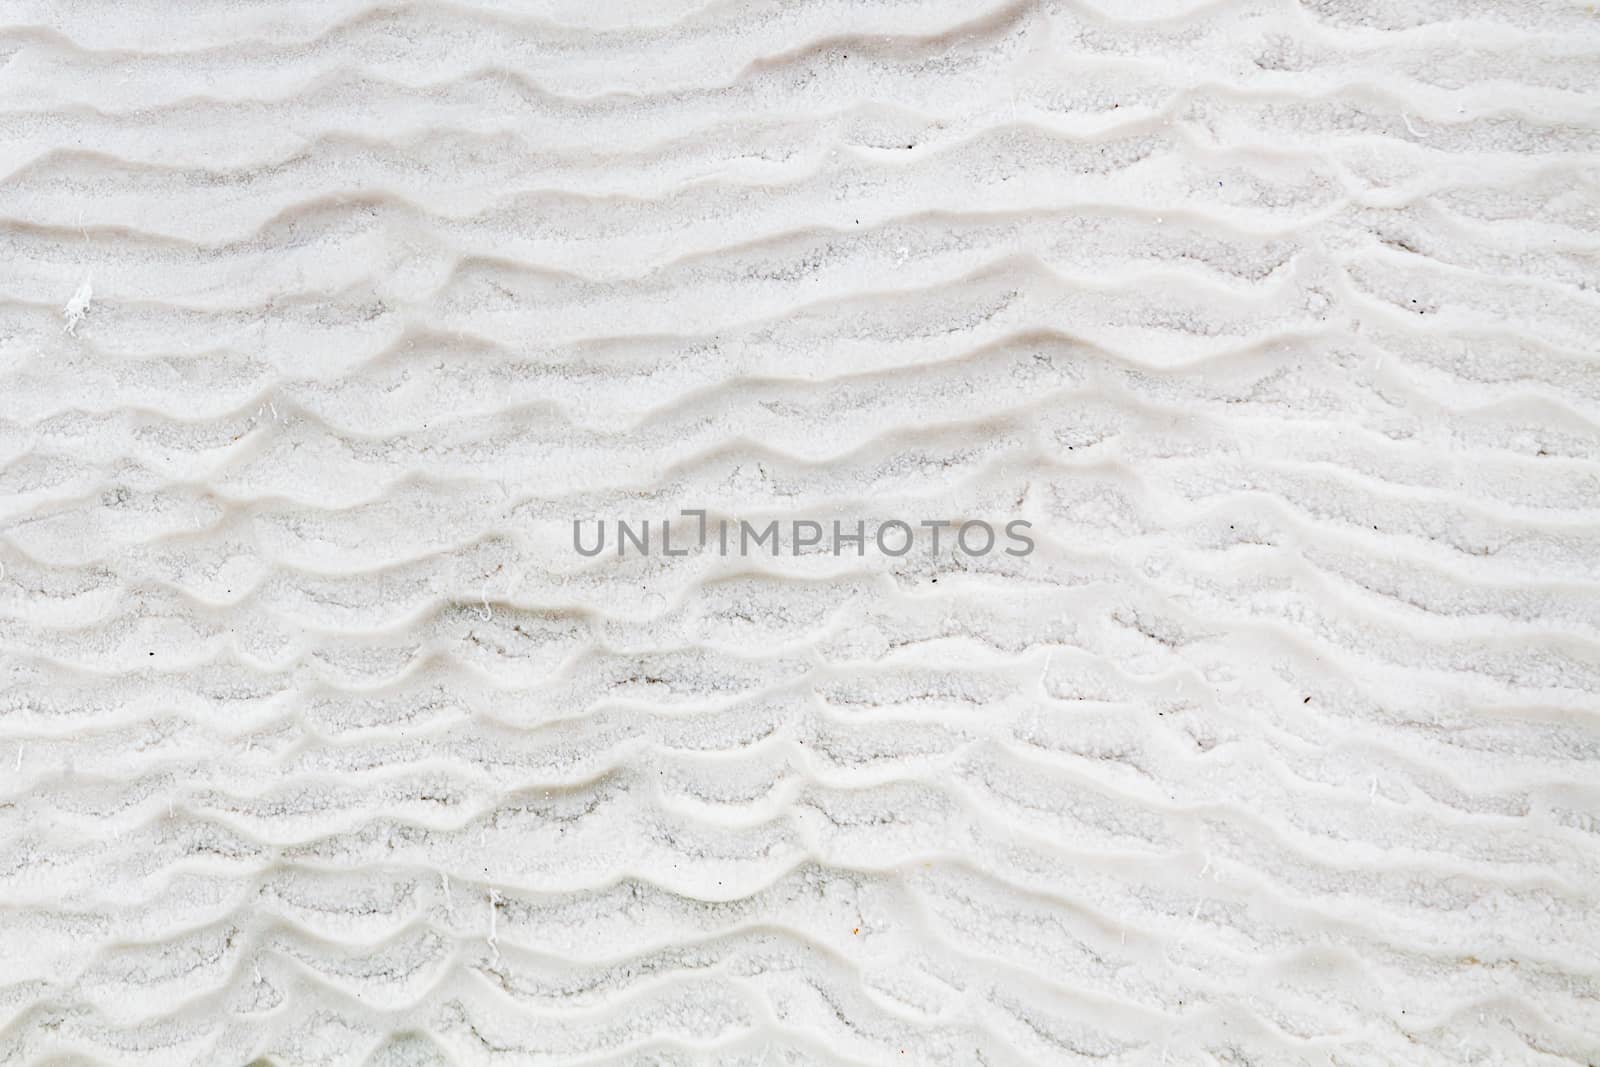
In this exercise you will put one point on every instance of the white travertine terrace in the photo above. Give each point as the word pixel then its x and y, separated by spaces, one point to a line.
pixel 321 320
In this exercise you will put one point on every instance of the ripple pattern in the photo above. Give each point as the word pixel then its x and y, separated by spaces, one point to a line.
pixel 320 323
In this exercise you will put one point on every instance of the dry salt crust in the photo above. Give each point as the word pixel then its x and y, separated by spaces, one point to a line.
pixel 319 322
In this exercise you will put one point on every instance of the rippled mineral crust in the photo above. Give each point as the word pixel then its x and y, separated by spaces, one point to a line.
pixel 322 320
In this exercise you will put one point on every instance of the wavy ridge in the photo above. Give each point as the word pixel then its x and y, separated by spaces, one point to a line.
pixel 319 744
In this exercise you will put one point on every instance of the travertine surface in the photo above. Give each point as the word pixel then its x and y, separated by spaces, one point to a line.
pixel 321 321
